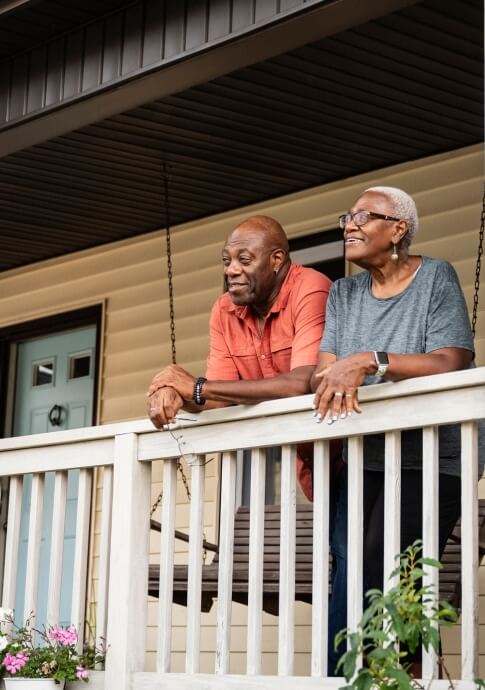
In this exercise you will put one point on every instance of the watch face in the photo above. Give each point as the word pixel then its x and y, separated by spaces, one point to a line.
pixel 382 359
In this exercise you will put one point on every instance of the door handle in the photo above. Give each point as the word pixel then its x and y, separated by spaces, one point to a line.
pixel 55 415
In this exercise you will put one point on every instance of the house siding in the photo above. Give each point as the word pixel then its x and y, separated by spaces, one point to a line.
pixel 130 278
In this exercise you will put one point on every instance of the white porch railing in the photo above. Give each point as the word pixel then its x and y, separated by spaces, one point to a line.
pixel 126 452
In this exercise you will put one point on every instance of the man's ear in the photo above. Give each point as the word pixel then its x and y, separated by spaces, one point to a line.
pixel 278 257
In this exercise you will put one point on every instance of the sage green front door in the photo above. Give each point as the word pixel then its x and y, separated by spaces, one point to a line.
pixel 54 391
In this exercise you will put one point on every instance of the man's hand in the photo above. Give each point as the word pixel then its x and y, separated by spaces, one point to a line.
pixel 174 377
pixel 163 406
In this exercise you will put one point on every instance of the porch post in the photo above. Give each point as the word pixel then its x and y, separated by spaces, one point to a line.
pixel 127 601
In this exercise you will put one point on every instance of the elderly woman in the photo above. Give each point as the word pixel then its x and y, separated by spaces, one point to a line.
pixel 403 316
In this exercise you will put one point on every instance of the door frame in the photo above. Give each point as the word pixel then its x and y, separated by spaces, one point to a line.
pixel 37 328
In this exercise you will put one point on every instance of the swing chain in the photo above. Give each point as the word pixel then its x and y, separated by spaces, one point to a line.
pixel 478 266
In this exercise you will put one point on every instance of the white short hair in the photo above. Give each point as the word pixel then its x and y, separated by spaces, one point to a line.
pixel 403 206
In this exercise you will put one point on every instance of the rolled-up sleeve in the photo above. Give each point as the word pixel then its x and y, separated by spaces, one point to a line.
pixel 309 324
pixel 220 364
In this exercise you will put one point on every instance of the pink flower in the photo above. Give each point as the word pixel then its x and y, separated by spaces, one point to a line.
pixel 14 663
pixel 66 636
pixel 81 672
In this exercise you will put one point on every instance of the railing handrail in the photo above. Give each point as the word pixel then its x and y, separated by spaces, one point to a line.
pixel 381 392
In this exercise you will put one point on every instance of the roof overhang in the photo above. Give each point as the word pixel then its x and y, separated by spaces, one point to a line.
pixel 396 87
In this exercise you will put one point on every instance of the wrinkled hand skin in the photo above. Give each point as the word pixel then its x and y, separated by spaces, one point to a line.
pixel 337 393
pixel 175 377
pixel 163 406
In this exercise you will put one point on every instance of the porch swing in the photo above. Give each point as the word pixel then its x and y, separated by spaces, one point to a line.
pixel 450 575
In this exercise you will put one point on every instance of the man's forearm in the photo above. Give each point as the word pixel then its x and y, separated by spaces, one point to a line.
pixel 295 382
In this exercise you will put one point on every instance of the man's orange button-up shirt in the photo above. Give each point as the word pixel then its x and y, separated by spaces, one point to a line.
pixel 290 336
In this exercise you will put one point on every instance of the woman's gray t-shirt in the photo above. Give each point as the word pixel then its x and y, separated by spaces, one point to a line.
pixel 429 314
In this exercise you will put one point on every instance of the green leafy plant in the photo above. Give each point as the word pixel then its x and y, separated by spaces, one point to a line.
pixel 392 628
pixel 26 652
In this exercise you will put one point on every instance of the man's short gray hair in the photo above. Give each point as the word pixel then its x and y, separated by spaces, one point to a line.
pixel 404 207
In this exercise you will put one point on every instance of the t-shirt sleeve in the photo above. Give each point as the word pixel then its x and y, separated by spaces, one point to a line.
pixel 448 324
pixel 329 338
pixel 220 364
pixel 309 322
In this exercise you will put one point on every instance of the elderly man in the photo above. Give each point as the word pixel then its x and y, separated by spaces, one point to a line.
pixel 264 331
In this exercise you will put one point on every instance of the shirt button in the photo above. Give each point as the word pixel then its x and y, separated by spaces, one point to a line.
pixel 263 357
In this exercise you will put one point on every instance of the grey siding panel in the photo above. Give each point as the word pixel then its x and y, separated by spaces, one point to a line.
pixel 112 48
pixel 174 27
pixel 93 52
pixel 196 29
pixel 54 72
pixel 243 12
pixel 74 63
pixel 265 9
pixel 4 90
pixel 153 31
pixel 36 94
pixel 19 84
pixel 133 39
pixel 219 19
pixel 126 40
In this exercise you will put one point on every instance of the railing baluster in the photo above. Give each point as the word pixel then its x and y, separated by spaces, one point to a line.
pixel 81 551
pixel 355 533
pixel 286 621
pixel 128 564
pixel 33 548
pixel 194 584
pixel 256 561
pixel 226 556
pixel 12 543
pixel 392 507
pixel 167 549
pixel 57 548
pixel 430 529
pixel 321 498
pixel 104 548
pixel 469 551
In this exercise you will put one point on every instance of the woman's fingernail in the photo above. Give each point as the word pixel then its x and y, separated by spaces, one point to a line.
pixel 330 420
pixel 315 414
pixel 349 414
pixel 343 415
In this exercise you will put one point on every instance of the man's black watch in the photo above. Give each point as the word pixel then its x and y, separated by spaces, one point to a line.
pixel 382 361
pixel 197 396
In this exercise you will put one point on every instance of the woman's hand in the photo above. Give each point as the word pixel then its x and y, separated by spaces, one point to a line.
pixel 337 392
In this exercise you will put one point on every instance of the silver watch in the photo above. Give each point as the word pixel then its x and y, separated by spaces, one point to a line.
pixel 382 361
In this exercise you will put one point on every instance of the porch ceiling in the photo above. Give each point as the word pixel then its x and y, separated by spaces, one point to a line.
pixel 398 88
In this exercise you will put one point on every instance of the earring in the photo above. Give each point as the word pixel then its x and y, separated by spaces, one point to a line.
pixel 394 255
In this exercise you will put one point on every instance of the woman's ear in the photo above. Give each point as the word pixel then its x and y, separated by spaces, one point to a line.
pixel 400 231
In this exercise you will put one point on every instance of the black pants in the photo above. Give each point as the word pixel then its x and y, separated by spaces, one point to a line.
pixel 411 516
pixel 411 529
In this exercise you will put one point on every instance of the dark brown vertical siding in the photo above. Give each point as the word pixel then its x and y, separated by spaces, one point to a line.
pixel 93 56
pixel 133 39
pixel 219 19
pixel 141 35
pixel 174 28
pixel 196 26
pixel 19 86
pixel 55 72
pixel 113 39
pixel 36 95
pixel 153 31
pixel 73 63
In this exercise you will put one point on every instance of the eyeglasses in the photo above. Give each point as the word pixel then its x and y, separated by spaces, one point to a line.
pixel 361 218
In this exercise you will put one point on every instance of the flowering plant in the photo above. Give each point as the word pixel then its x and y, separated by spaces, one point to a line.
pixel 26 652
